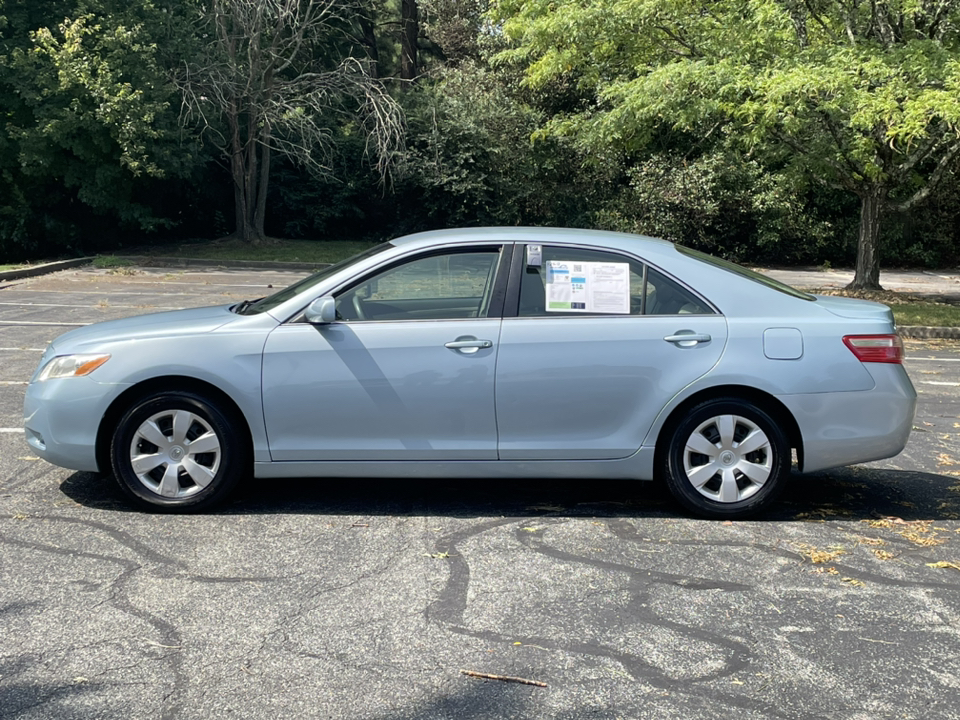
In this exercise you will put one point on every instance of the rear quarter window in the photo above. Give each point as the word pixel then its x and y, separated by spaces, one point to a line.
pixel 745 273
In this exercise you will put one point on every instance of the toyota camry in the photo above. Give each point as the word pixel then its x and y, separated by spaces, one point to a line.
pixel 491 352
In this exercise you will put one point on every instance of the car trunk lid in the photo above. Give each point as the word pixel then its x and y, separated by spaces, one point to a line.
pixel 855 309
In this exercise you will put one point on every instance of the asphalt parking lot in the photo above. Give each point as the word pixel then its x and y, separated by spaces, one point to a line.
pixel 320 599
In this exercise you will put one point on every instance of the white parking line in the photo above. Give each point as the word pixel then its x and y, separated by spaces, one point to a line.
pixel 196 284
pixel 19 323
pixel 21 349
pixel 102 292
pixel 11 430
pixel 13 382
pixel 955 278
pixel 105 307
pixel 945 384
pixel 911 358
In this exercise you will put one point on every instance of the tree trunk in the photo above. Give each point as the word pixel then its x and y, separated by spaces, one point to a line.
pixel 238 172
pixel 261 209
pixel 251 181
pixel 249 169
pixel 370 44
pixel 867 276
pixel 249 193
pixel 409 32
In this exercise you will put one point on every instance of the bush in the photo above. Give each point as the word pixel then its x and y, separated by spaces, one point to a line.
pixel 472 159
pixel 723 204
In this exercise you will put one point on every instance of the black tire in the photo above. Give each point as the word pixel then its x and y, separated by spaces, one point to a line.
pixel 736 480
pixel 174 477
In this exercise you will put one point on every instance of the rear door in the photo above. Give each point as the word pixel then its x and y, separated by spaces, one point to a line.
pixel 581 384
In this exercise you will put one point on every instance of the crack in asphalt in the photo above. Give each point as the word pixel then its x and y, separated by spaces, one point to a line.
pixel 447 611
pixel 119 592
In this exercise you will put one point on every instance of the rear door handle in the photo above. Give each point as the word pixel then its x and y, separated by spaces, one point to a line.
pixel 468 344
pixel 687 338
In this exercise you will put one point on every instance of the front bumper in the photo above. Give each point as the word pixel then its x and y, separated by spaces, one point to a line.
pixel 854 427
pixel 61 418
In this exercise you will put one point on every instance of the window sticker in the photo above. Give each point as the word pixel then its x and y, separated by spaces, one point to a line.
pixel 589 287
pixel 534 256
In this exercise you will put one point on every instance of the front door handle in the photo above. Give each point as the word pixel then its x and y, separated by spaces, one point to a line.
pixel 687 338
pixel 467 344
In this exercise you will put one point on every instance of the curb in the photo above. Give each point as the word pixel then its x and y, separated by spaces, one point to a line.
pixel 36 270
pixel 150 261
pixel 919 331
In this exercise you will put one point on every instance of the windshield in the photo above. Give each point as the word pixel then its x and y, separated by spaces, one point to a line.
pixel 282 296
pixel 744 272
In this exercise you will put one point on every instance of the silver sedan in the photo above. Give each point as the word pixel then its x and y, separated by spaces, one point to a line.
pixel 499 352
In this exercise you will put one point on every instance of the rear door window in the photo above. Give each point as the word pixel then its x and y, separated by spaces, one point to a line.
pixel 645 290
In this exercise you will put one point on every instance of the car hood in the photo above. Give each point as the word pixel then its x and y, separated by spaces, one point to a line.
pixel 175 323
pixel 855 309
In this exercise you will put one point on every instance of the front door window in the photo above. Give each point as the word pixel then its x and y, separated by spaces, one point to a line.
pixel 454 285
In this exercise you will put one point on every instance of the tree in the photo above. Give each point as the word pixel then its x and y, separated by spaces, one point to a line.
pixel 267 82
pixel 87 128
pixel 862 96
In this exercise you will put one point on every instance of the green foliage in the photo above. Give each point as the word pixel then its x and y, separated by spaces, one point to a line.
pixel 719 203
pixel 748 128
pixel 858 96
pixel 89 132
pixel 928 236
pixel 473 160
pixel 344 202
pixel 96 88
pixel 454 28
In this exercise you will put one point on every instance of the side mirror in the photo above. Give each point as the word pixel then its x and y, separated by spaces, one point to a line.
pixel 321 311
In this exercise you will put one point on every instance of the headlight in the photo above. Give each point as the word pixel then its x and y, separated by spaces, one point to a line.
pixel 71 366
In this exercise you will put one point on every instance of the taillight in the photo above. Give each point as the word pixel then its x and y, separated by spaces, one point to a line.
pixel 876 348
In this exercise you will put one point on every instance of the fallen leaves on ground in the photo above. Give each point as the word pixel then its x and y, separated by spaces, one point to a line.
pixel 944 565
pixel 919 532
pixel 817 556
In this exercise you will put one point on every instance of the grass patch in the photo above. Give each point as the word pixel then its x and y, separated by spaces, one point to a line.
pixel 907 309
pixel 104 262
pixel 304 251
pixel 927 313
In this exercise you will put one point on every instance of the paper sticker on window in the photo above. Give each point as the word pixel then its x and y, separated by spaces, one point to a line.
pixel 590 287
pixel 534 255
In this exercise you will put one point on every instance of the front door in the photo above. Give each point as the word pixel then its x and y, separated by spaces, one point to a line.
pixel 406 374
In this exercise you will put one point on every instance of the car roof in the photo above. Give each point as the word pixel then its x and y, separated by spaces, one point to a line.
pixel 599 238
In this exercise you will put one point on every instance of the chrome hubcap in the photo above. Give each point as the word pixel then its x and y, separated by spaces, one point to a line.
pixel 175 453
pixel 728 458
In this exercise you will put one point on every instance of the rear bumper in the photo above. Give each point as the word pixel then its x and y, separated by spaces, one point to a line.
pixel 855 427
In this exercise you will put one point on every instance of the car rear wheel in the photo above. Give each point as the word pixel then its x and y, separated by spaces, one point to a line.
pixel 176 451
pixel 727 458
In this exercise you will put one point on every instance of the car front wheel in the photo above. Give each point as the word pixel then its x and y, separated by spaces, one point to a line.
pixel 727 458
pixel 176 451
